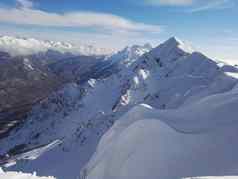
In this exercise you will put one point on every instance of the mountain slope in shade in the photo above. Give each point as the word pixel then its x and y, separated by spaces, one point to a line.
pixel 168 77
pixel 22 84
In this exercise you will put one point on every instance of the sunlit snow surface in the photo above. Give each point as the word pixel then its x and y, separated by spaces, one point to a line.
pixel 234 75
pixel 196 140
pixel 20 175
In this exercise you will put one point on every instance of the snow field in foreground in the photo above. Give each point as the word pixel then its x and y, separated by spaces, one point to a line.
pixel 19 175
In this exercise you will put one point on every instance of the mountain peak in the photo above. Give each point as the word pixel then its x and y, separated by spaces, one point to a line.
pixel 171 50
pixel 135 51
pixel 175 42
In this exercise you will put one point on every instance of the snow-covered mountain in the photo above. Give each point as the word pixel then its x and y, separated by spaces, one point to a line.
pixel 16 46
pixel 170 77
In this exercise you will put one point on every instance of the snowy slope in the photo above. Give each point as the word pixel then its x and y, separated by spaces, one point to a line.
pixel 170 76
pixel 27 46
pixel 196 140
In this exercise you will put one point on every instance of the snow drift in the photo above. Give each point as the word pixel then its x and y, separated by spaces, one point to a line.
pixel 197 140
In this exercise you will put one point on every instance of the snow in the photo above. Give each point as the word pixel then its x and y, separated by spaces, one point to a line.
pixel 171 50
pixel 234 75
pixel 31 154
pixel 20 175
pixel 92 82
pixel 143 74
pixel 27 46
pixel 196 140
pixel 185 46
pixel 35 153
pixel 129 55
pixel 27 64
pixel 78 116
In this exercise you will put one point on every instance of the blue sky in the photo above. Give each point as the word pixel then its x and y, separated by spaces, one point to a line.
pixel 209 25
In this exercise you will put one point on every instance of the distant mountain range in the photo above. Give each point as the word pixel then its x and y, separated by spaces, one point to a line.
pixel 16 46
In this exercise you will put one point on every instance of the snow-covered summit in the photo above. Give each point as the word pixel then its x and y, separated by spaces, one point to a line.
pixel 130 54
pixel 176 42
pixel 29 46
pixel 165 54
pixel 136 50
pixel 171 50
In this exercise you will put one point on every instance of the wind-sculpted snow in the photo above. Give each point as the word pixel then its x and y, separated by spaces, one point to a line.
pixel 171 79
pixel 197 140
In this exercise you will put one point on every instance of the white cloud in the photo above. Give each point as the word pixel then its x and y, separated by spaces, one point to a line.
pixel 194 5
pixel 116 40
pixel 24 3
pixel 214 4
pixel 27 16
pixel 103 29
pixel 170 2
